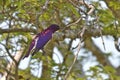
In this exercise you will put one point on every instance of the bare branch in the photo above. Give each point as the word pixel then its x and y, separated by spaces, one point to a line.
pixel 6 47
pixel 92 8
pixel 102 38
pixel 75 58
pixel 89 6
pixel 81 34
pixel 75 5
pixel 17 57
pixel 14 30
pixel 78 20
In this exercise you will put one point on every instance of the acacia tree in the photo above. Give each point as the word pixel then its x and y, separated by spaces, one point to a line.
pixel 21 19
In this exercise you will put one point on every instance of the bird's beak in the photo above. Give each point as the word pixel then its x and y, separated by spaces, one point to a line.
pixel 57 31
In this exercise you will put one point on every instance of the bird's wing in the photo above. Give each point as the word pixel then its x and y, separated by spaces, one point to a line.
pixel 44 37
pixel 32 47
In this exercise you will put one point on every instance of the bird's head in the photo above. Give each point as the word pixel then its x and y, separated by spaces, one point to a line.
pixel 54 27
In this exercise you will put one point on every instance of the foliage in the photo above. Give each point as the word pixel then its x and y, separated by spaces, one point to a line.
pixel 20 20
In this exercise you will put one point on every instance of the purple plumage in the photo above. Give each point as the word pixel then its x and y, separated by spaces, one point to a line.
pixel 41 39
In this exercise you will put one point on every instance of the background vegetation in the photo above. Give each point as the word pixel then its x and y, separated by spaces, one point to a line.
pixel 79 20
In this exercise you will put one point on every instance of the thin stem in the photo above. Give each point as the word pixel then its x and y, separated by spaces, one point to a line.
pixel 75 58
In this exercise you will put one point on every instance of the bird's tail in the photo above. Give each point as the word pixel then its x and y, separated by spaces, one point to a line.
pixel 33 53
pixel 29 52
pixel 26 55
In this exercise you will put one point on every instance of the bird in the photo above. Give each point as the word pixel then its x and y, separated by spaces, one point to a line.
pixel 41 39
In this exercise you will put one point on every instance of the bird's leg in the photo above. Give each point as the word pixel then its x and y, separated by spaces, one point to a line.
pixel 45 54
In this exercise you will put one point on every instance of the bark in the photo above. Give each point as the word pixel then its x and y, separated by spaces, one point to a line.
pixel 14 30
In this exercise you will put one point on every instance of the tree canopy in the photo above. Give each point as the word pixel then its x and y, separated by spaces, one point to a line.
pixel 74 52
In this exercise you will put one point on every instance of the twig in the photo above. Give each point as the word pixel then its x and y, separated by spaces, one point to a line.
pixel 75 58
pixel 58 58
pixel 74 22
pixel 46 4
pixel 81 33
pixel 92 8
pixel 10 65
pixel 6 47
pixel 7 71
pixel 100 30
pixel 77 7
pixel 102 38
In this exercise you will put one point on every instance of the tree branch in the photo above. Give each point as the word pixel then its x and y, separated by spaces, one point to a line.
pixel 75 58
pixel 89 44
pixel 14 30
pixel 17 57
